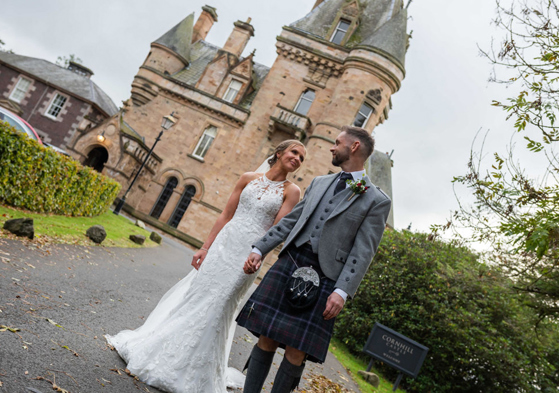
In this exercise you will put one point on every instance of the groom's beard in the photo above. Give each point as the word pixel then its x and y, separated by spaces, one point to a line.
pixel 340 157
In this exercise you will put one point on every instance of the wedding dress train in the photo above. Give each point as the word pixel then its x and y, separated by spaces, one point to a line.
pixel 184 345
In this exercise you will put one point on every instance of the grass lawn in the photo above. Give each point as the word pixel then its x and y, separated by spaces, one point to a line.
pixel 71 230
pixel 353 365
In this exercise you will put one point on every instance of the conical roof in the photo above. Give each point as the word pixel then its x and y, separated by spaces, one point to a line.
pixel 179 38
pixel 382 25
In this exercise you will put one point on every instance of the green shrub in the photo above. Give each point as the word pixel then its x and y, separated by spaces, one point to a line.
pixel 479 332
pixel 39 179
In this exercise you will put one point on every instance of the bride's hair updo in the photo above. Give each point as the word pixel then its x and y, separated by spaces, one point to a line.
pixel 282 147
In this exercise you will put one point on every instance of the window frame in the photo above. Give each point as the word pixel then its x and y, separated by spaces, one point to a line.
pixel 301 98
pixel 229 89
pixel 52 103
pixel 361 113
pixel 15 89
pixel 207 146
pixel 338 28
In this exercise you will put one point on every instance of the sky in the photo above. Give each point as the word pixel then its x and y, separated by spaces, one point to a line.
pixel 444 102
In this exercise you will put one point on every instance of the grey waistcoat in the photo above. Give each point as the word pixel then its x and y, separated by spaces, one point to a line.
pixel 313 228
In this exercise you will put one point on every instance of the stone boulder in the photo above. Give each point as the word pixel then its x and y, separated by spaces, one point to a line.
pixel 96 233
pixel 20 227
pixel 154 236
pixel 140 224
pixel 372 378
pixel 138 239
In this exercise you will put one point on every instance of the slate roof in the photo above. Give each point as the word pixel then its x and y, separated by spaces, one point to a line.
pixel 201 54
pixel 179 38
pixel 383 25
pixel 63 78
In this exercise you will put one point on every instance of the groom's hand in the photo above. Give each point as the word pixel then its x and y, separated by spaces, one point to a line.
pixel 334 305
pixel 252 264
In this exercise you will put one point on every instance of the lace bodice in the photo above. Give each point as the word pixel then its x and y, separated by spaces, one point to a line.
pixel 259 204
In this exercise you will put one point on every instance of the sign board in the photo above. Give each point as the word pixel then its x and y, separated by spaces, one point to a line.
pixel 396 350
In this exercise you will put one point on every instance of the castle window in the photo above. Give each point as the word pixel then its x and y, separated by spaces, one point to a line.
pixel 56 106
pixel 164 197
pixel 305 102
pixel 186 198
pixel 232 91
pixel 19 92
pixel 340 32
pixel 205 141
pixel 363 115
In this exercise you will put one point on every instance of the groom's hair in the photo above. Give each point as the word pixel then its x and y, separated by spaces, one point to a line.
pixel 363 136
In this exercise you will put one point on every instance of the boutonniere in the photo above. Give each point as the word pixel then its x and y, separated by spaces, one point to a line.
pixel 357 186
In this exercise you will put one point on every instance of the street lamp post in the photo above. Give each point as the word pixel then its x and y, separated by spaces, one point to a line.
pixel 168 122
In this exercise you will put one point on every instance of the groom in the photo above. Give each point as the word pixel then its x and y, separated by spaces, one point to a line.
pixel 333 231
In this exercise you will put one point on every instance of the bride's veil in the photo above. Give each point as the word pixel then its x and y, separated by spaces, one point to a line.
pixel 265 167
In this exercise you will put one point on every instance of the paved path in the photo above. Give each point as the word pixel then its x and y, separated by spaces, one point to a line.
pixel 65 298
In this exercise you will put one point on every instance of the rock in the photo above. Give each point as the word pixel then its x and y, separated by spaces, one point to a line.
pixel 372 378
pixel 140 224
pixel 21 227
pixel 96 233
pixel 155 237
pixel 138 239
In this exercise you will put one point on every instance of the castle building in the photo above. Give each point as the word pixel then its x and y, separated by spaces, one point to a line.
pixel 338 65
pixel 55 100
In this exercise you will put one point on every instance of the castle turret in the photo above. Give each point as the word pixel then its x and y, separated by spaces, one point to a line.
pixel 169 54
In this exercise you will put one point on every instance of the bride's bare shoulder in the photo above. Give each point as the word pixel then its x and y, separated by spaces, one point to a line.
pixel 247 177
pixel 292 189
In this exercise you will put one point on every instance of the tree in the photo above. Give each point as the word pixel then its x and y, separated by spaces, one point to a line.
pixel 517 215
pixel 64 61
pixel 480 335
pixel 3 49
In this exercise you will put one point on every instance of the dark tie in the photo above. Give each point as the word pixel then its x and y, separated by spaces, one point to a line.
pixel 342 182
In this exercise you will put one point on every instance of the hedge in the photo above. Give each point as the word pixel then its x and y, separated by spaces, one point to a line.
pixel 479 331
pixel 39 179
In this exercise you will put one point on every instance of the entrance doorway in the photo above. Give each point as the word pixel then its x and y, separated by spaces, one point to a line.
pixel 97 158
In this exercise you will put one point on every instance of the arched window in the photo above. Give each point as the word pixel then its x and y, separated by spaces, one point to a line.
pixel 363 115
pixel 205 141
pixel 164 197
pixel 187 195
pixel 305 102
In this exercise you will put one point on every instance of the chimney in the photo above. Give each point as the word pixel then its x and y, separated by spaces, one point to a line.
pixel 204 23
pixel 318 2
pixel 80 69
pixel 239 37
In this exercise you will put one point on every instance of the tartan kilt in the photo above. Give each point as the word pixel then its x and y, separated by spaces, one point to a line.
pixel 273 317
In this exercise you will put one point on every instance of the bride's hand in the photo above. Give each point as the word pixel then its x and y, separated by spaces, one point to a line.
pixel 252 264
pixel 198 258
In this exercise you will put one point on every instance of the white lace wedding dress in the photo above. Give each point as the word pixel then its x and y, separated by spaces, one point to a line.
pixel 184 345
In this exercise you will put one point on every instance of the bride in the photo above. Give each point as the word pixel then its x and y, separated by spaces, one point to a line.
pixel 184 345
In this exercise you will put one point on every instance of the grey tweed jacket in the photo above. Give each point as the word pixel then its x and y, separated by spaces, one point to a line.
pixel 350 237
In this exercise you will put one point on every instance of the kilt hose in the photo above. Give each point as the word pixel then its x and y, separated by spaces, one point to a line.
pixel 268 313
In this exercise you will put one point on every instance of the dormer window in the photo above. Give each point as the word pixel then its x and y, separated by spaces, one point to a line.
pixel 340 31
pixel 305 102
pixel 232 91
pixel 363 115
